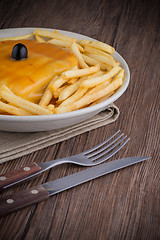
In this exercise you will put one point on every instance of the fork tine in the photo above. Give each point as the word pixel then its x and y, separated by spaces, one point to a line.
pixel 105 147
pixel 101 144
pixel 112 153
pixel 108 150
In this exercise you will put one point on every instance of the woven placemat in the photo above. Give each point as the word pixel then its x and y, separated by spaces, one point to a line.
pixel 14 145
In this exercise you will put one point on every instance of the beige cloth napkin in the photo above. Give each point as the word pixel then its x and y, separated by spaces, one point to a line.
pixel 14 145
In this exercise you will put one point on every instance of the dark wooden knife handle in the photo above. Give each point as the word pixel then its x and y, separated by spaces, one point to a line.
pixel 18 174
pixel 22 199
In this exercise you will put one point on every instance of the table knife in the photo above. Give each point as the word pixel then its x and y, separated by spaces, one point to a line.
pixel 42 192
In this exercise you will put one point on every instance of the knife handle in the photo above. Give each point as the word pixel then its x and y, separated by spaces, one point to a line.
pixel 22 199
pixel 12 177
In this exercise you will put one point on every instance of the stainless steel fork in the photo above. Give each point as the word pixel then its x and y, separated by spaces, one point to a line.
pixel 91 157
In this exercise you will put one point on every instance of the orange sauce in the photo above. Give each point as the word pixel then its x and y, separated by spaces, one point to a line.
pixel 28 78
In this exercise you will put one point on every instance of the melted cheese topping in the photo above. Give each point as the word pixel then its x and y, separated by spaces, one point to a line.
pixel 28 78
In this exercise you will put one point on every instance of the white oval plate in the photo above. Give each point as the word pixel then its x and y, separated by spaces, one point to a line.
pixel 56 121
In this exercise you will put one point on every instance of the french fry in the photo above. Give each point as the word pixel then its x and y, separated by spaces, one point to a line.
pixel 92 61
pixel 102 99
pixel 94 81
pixel 71 38
pixel 49 34
pixel 60 43
pixel 77 95
pixel 80 72
pixel 39 39
pixel 17 37
pixel 50 107
pixel 46 97
pixel 87 99
pixel 79 46
pixel 57 83
pixel 120 74
pixel 89 49
pixel 57 92
pixel 4 107
pixel 72 80
pixel 103 59
pixel 68 91
pixel 99 45
pixel 81 49
pixel 65 44
pixel 77 53
pixel 17 101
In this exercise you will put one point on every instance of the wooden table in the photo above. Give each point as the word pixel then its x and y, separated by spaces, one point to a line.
pixel 124 204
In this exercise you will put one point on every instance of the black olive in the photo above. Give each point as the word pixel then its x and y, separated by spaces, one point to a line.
pixel 19 52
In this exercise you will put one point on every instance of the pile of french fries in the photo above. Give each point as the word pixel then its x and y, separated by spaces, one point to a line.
pixel 96 78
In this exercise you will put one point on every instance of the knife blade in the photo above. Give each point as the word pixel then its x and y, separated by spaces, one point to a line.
pixel 42 192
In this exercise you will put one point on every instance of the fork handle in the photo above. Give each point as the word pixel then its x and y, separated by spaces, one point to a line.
pixel 12 177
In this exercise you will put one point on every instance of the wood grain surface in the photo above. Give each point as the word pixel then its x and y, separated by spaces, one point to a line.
pixel 124 204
